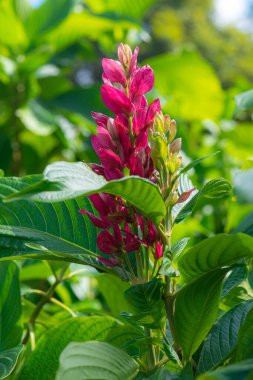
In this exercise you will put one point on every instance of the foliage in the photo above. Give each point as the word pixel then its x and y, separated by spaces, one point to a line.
pixel 136 273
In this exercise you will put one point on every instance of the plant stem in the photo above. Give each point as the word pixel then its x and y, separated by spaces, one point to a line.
pixel 45 299
pixel 151 359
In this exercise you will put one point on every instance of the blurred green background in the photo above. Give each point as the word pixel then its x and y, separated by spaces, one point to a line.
pixel 201 52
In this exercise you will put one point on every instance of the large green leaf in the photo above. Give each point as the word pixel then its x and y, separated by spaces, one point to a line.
pixel 238 371
pixel 45 358
pixel 146 300
pixel 216 252
pixel 95 360
pixel 182 79
pixel 10 307
pixel 245 338
pixel 64 180
pixel 223 337
pixel 45 230
pixel 216 188
pixel 235 277
pixel 8 361
pixel 47 16
pixel 196 308
pixel 86 24
pixel 12 32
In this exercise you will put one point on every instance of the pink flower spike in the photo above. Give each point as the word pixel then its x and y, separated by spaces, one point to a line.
pixel 154 107
pixel 143 82
pixel 113 71
pixel 116 100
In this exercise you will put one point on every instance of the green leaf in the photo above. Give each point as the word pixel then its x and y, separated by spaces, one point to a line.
pixel 245 347
pixel 95 360
pixel 242 182
pixel 80 329
pixel 121 7
pixel 196 308
pixel 16 35
pixel 10 307
pixel 146 299
pixel 216 252
pixel 237 275
pixel 47 16
pixel 112 289
pixel 84 24
pixel 179 247
pixel 37 119
pixel 223 337
pixel 246 225
pixel 216 188
pixel 195 163
pixel 8 361
pixel 244 101
pixel 29 229
pixel 71 180
pixel 237 371
pixel 184 87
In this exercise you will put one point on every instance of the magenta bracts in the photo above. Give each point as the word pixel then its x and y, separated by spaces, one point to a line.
pixel 122 146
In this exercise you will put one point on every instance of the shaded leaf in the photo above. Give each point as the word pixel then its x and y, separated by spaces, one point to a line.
pixel 95 360
pixel 45 358
pixel 64 180
pixel 196 308
pixel 222 339
pixel 216 252
pixel 235 371
pixel 8 361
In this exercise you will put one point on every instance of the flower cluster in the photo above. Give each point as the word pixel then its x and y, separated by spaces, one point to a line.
pixel 122 145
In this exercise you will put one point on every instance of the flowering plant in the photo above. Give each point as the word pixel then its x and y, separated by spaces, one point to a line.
pixel 128 206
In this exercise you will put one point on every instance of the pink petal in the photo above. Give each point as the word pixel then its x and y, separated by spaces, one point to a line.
pixel 107 243
pixel 95 220
pixel 100 119
pixel 109 159
pixel 116 100
pixel 133 62
pixel 113 71
pixel 159 250
pixel 99 204
pixel 154 107
pixel 142 82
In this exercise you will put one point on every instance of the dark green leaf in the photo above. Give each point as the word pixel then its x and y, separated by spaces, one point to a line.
pixel 10 307
pixel 237 275
pixel 71 180
pixel 196 308
pixel 216 188
pixel 245 338
pixel 216 252
pixel 95 360
pixel 8 361
pixel 237 371
pixel 45 357
pixel 31 229
pixel 223 337
pixel 146 299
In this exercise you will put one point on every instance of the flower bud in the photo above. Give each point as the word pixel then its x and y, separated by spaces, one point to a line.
pixel 175 146
pixel 124 54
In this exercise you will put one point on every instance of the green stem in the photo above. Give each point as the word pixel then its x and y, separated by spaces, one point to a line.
pixel 151 357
